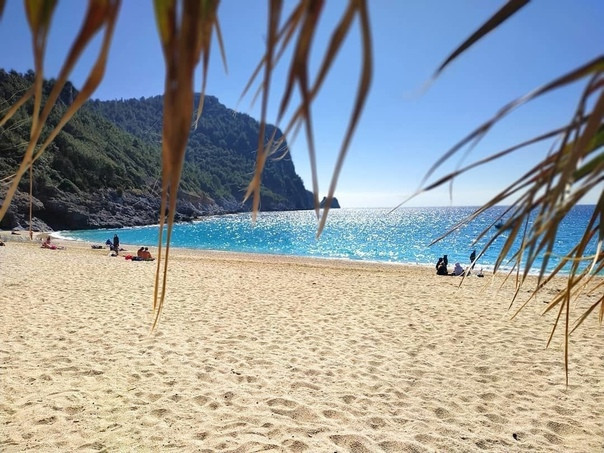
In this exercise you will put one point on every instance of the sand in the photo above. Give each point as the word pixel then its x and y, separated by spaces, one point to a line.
pixel 259 353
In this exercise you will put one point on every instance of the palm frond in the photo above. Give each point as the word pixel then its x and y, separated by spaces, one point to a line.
pixel 17 105
pixel 100 13
pixel 303 21
pixel 507 10
pixel 185 36
pixel 552 188
pixel 548 191
pixel 274 17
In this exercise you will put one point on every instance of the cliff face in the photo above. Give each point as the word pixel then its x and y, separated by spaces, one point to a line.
pixel 103 169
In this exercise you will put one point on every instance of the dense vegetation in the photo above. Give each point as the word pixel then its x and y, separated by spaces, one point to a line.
pixel 221 151
pixel 103 168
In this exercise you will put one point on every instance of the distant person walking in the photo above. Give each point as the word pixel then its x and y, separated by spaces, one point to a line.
pixel 116 244
pixel 473 258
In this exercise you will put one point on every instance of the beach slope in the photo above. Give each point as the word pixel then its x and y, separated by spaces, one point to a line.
pixel 271 353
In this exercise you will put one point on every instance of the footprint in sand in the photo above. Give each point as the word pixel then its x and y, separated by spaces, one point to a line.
pixel 301 384
pixel 291 409
pixel 295 445
pixel 561 428
pixel 332 414
pixel 442 413
pixel 95 446
pixel 47 421
pixel 159 413
pixel 563 411
pixel 281 402
pixel 489 396
pixel 495 418
pixel 152 397
pixel 351 442
pixel 376 422
pixel 227 398
pixel 72 410
pixel 348 398
pixel 200 436
pixel 201 400
pixel 392 446
pixel 552 438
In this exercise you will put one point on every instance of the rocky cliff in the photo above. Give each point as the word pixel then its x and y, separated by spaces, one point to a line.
pixel 103 169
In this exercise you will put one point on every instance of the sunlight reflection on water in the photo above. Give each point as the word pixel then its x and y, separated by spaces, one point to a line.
pixel 402 236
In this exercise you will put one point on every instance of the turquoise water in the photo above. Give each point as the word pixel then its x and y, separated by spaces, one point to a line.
pixel 376 235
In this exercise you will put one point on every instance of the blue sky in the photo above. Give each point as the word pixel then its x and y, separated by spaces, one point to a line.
pixel 404 128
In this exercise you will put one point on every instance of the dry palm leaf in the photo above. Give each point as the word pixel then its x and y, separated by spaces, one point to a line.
pixel 303 21
pixel 185 30
pixel 100 13
pixel 507 10
pixel 548 191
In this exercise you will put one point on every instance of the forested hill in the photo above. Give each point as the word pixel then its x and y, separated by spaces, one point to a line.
pixel 221 152
pixel 103 169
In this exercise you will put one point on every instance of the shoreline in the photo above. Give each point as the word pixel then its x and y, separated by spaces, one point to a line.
pixel 61 240
pixel 260 352
pixel 315 261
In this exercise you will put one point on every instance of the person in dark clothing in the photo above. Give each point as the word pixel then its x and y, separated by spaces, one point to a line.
pixel 440 260
pixel 441 267
pixel 473 258
pixel 116 244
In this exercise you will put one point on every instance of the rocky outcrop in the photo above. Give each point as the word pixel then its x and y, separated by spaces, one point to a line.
pixel 334 203
pixel 103 209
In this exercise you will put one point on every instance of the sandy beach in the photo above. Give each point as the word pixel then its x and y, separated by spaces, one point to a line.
pixel 258 353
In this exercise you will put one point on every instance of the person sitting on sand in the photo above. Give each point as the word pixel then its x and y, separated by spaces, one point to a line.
pixel 441 267
pixel 146 255
pixel 140 252
pixel 47 245
pixel 458 270
pixel 440 260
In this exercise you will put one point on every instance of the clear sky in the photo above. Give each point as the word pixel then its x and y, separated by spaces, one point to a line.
pixel 403 129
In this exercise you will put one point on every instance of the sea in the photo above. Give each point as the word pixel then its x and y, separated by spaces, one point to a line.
pixel 402 236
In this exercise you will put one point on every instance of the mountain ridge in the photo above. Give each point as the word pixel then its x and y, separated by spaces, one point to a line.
pixel 103 169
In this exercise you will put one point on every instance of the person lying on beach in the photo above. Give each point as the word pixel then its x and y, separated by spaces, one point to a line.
pixel 47 245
